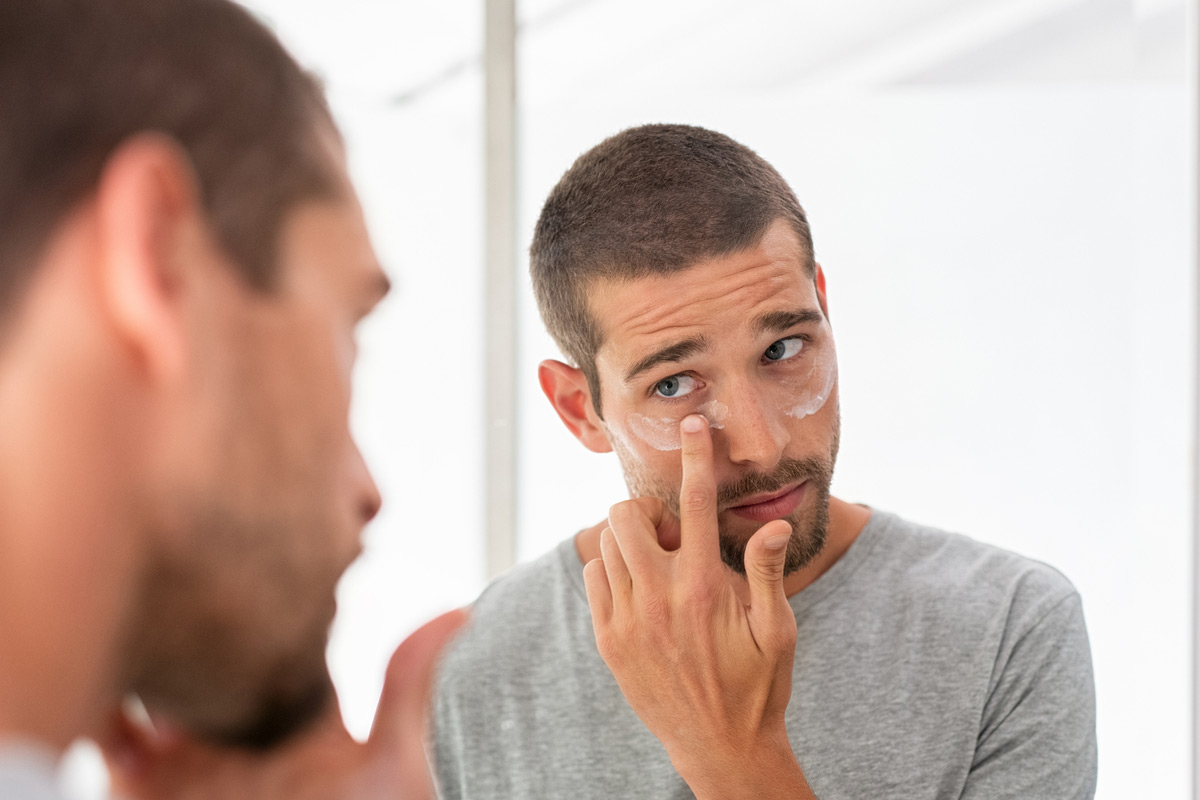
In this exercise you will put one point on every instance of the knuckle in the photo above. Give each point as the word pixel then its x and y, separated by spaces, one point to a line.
pixel 697 499
pixel 621 514
pixel 764 571
pixel 607 646
pixel 649 506
pixel 696 595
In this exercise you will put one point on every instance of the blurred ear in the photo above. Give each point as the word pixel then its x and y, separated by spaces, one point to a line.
pixel 821 291
pixel 567 390
pixel 150 221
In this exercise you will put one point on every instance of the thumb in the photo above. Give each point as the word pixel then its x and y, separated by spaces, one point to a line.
pixel 400 717
pixel 765 555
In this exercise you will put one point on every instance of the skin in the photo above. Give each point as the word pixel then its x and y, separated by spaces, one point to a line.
pixel 180 493
pixel 658 590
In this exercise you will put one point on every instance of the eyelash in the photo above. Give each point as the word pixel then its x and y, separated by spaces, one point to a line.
pixel 763 360
pixel 653 394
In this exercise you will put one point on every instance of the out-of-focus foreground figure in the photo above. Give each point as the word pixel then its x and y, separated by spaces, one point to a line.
pixel 182 265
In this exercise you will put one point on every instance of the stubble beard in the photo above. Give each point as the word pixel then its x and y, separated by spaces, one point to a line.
pixel 214 665
pixel 809 530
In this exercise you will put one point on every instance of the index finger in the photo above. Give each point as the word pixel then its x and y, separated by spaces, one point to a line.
pixel 698 493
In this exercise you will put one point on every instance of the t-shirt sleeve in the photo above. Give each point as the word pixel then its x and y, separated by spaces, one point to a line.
pixel 1037 737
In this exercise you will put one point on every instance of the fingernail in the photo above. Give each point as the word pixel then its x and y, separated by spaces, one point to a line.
pixel 693 423
pixel 777 541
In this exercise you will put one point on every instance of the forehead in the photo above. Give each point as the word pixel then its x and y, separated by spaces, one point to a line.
pixel 714 298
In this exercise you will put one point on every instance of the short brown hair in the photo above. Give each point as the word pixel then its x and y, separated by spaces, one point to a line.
pixel 650 200
pixel 79 77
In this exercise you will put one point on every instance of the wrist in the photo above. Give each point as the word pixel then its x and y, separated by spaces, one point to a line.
pixel 761 769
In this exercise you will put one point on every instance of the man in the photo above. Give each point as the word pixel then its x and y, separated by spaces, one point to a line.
pixel 182 265
pixel 733 630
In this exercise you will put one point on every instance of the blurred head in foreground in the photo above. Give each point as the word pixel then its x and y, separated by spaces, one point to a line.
pixel 182 265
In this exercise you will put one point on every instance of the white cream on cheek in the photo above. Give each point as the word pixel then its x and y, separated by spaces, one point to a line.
pixel 812 391
pixel 802 397
pixel 662 433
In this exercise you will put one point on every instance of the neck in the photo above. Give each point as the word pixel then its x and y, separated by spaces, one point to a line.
pixel 846 521
pixel 66 540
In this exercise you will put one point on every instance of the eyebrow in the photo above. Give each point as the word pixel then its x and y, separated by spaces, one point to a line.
pixel 668 355
pixel 781 321
pixel 771 322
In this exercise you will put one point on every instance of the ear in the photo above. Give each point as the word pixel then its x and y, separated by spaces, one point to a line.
pixel 567 389
pixel 821 291
pixel 148 211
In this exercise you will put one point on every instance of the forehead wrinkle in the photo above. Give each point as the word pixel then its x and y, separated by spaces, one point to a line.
pixel 634 317
pixel 647 317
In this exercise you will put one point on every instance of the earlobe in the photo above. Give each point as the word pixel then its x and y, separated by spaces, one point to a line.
pixel 567 389
pixel 147 206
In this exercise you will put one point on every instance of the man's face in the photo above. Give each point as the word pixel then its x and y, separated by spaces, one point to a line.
pixel 743 340
pixel 269 495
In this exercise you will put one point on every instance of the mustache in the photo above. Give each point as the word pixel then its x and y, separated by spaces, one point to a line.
pixel 788 472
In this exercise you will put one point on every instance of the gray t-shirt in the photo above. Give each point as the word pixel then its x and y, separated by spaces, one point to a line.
pixel 927 665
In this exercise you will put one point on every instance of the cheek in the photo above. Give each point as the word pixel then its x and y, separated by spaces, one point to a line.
pixel 648 472
pixel 810 394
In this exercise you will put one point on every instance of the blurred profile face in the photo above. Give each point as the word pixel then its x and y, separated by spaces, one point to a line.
pixel 265 505
pixel 743 340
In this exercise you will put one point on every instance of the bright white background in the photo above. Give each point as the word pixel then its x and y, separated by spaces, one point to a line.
pixel 1000 194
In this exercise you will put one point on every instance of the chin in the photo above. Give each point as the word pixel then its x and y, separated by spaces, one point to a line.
pixel 281 713
pixel 284 695
pixel 809 532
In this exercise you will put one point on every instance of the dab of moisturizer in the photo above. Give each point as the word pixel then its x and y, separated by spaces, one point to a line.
pixel 662 433
pixel 813 390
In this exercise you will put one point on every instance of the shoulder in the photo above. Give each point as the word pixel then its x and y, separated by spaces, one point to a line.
pixel 527 594
pixel 518 617
pixel 926 561
pixel 959 587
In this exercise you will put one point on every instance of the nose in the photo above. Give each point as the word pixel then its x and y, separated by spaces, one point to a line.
pixel 365 491
pixel 755 432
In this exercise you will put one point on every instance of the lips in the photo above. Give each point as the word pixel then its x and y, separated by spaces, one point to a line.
pixel 776 505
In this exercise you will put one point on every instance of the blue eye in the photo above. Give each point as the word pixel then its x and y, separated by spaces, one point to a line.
pixel 784 349
pixel 675 386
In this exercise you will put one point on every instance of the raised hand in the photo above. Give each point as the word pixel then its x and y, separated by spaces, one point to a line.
pixel 324 763
pixel 709 674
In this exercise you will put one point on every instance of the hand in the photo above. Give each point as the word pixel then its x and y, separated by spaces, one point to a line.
pixel 324 762
pixel 709 674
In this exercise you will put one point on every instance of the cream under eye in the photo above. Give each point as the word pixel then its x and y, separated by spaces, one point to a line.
pixel 662 433
pixel 675 386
